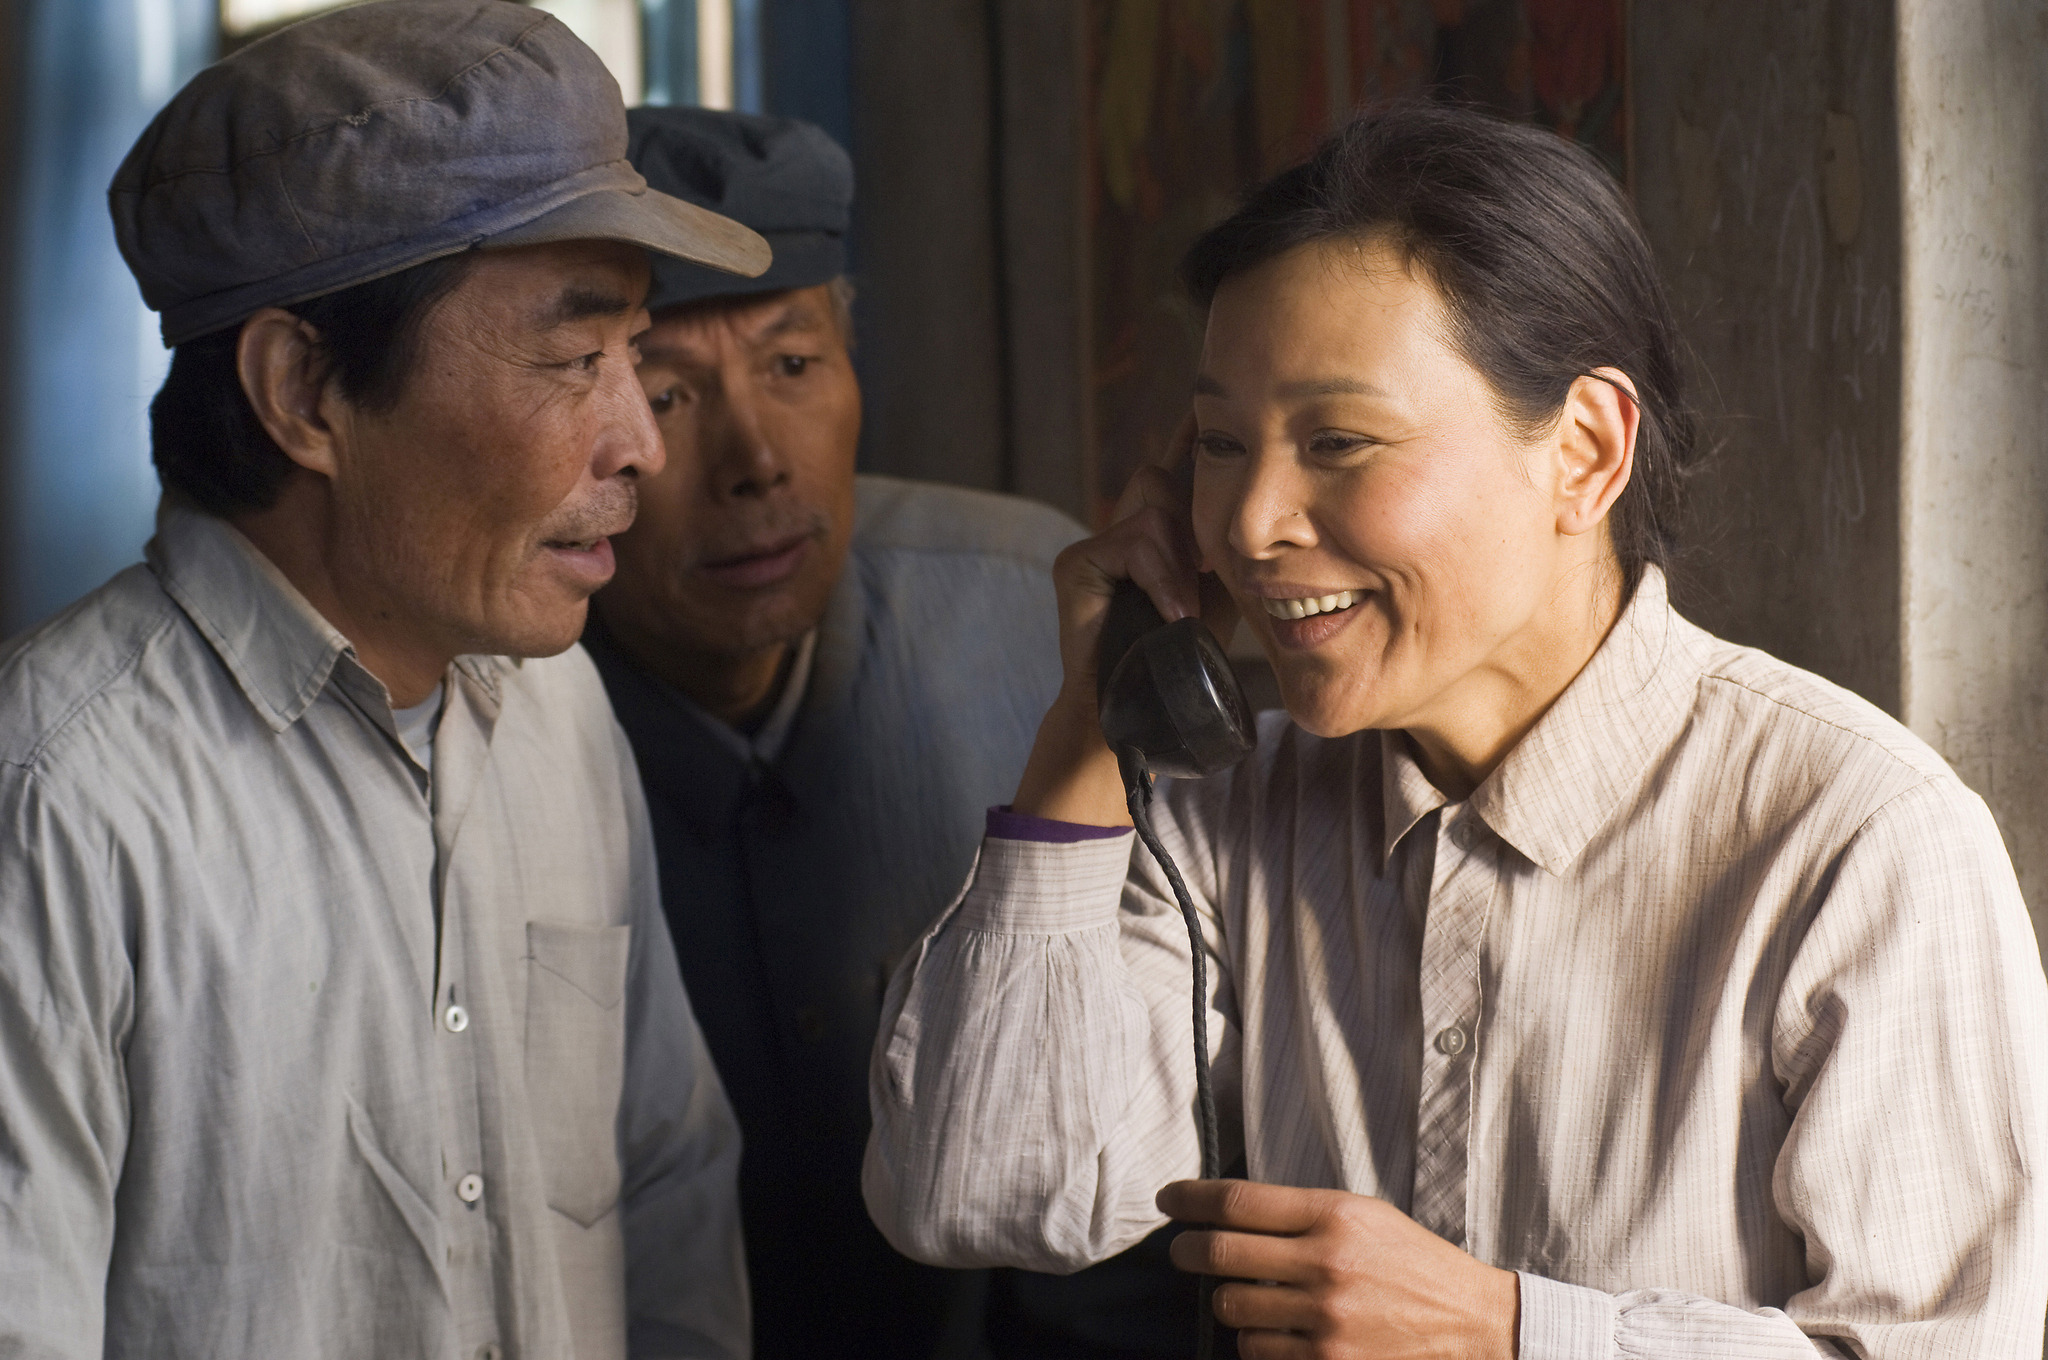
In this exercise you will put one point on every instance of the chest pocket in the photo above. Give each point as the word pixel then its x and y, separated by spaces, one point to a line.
pixel 576 1060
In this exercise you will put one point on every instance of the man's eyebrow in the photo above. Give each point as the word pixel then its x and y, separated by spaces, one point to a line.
pixel 653 352
pixel 580 303
pixel 797 316
pixel 794 317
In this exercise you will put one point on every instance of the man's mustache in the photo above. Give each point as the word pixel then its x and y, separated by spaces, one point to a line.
pixel 605 511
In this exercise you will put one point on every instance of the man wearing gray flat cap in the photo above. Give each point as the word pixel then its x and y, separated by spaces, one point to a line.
pixel 818 671
pixel 338 1016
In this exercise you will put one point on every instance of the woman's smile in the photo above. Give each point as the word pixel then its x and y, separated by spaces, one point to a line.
pixel 1302 620
pixel 1303 606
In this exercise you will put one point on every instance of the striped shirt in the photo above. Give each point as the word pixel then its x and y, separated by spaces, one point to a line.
pixel 1715 1012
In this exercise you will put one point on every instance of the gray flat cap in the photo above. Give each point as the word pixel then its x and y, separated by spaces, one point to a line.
pixel 374 138
pixel 785 178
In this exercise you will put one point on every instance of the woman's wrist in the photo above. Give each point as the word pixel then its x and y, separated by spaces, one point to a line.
pixel 1072 775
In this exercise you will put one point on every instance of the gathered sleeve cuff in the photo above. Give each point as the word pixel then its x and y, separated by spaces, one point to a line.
pixel 1036 886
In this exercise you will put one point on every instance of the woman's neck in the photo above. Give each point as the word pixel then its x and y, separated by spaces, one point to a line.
pixel 1473 726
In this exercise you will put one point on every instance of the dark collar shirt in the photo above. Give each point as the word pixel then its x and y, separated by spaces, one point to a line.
pixel 1714 1012
pixel 797 871
pixel 304 1053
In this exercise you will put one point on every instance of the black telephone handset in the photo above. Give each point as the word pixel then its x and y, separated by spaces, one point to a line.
pixel 1169 704
pixel 1166 693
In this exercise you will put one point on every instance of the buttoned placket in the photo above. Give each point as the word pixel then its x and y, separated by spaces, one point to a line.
pixel 1461 895
pixel 465 1210
pixel 461 747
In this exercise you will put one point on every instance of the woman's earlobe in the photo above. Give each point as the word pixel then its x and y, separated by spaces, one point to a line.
pixel 277 358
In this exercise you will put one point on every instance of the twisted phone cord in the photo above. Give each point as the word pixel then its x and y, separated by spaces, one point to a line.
pixel 1138 794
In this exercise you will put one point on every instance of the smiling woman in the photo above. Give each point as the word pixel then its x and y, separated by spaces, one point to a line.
pixel 1584 985
pixel 1543 277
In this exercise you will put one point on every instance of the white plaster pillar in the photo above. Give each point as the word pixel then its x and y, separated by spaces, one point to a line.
pixel 1973 149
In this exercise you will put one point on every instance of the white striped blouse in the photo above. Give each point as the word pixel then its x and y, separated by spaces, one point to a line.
pixel 1715 1011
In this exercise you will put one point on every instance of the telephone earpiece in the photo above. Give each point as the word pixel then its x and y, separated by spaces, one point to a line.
pixel 1166 691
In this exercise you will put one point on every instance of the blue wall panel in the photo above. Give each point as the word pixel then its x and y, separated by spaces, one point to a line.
pixel 79 492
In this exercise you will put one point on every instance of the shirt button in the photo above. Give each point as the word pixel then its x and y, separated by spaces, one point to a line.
pixel 456 1018
pixel 1451 1042
pixel 1464 835
pixel 470 1188
pixel 490 1350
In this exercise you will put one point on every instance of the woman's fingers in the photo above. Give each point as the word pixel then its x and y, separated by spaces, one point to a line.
pixel 1241 1256
pixel 1071 775
pixel 1350 1273
pixel 1177 459
pixel 1145 546
pixel 1252 1206
pixel 1152 486
pixel 1151 541
pixel 1276 1307
pixel 1168 486
pixel 1265 1345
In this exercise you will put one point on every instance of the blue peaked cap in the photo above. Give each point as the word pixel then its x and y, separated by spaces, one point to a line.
pixel 782 177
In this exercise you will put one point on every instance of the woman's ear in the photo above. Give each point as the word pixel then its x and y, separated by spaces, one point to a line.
pixel 285 378
pixel 1596 447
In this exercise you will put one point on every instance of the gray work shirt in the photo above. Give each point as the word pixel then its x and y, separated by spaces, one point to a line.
pixel 298 1060
pixel 802 868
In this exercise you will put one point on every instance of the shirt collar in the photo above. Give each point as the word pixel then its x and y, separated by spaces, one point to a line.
pixel 1568 777
pixel 764 744
pixel 1405 791
pixel 1592 750
pixel 279 649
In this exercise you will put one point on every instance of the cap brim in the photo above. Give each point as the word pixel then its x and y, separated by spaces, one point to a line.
pixel 651 219
pixel 803 259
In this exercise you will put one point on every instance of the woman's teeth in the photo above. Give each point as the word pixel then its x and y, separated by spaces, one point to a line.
pixel 1313 604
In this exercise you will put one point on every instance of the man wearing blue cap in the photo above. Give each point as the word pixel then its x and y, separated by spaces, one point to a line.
pixel 817 671
pixel 338 1016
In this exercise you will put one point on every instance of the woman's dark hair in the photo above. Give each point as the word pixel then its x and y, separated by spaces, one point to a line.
pixel 1537 255
pixel 204 437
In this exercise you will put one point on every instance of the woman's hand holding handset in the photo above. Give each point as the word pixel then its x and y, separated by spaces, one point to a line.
pixel 1327 1275
pixel 1072 775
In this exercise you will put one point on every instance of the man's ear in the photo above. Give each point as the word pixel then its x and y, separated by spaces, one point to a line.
pixel 285 378
pixel 1596 448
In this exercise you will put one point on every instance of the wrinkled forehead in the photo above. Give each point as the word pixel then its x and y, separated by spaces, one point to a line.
pixel 753 320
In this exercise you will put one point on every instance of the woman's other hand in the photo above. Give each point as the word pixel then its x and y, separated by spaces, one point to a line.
pixel 1339 1276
